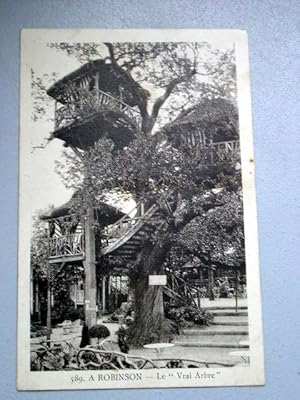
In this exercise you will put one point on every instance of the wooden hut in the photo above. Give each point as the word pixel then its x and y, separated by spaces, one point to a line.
pixel 97 100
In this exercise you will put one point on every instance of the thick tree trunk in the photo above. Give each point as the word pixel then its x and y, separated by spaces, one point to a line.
pixel 150 324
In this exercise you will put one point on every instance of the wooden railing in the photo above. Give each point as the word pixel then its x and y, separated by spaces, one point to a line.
pixel 119 285
pixel 66 246
pixel 181 288
pixel 215 152
pixel 225 150
pixel 117 230
pixel 89 102
pixel 232 146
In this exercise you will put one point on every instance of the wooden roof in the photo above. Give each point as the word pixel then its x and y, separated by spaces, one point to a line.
pixel 209 115
pixel 109 75
pixel 105 212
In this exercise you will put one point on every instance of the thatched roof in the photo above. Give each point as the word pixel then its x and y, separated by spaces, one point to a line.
pixel 216 117
pixel 111 77
pixel 105 213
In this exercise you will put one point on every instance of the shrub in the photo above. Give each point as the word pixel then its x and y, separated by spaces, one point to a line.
pixel 37 331
pixel 73 314
pixel 181 315
pixel 99 331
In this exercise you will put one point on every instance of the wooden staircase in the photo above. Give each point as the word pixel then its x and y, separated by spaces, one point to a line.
pixel 126 237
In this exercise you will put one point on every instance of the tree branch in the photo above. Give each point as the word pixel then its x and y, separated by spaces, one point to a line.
pixel 110 48
pixel 162 99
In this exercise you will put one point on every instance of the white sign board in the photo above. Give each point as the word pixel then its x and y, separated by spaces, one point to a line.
pixel 155 280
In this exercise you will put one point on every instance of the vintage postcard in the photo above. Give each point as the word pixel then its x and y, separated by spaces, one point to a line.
pixel 138 247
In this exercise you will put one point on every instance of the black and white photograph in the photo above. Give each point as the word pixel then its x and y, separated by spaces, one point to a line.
pixel 138 260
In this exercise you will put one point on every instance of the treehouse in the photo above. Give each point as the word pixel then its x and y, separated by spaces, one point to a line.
pixel 67 230
pixel 98 100
pixel 107 242
pixel 209 129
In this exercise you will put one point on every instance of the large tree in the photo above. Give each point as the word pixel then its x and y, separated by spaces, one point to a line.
pixel 191 86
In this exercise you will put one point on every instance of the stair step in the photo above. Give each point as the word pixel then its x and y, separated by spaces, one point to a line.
pixel 211 345
pixel 236 341
pixel 133 242
pixel 236 320
pixel 140 236
pixel 124 255
pixel 231 332
pixel 230 323
pixel 129 245
pixel 229 308
pixel 126 250
pixel 229 313
pixel 147 228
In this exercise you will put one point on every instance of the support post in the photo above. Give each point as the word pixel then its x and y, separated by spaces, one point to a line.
pixel 198 299
pixel 75 294
pixel 104 294
pixel 55 115
pixel 116 292
pixel 211 282
pixel 49 327
pixel 32 295
pixel 90 291
pixel 236 289
pixel 109 300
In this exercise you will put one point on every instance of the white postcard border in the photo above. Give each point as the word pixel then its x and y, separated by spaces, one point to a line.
pixel 238 376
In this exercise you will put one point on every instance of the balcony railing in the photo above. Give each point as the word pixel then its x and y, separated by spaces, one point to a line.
pixel 138 215
pixel 223 151
pixel 89 102
pixel 66 246
pixel 218 152
pixel 229 147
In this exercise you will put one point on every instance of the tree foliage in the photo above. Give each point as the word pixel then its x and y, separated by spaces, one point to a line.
pixel 39 248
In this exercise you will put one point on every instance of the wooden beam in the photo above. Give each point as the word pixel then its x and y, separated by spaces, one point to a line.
pixel 90 289
pixel 61 259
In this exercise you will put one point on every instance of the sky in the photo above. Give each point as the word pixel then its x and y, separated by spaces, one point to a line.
pixel 47 188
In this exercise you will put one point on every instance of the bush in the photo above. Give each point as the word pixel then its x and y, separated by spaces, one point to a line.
pixel 60 311
pixel 164 331
pixel 99 331
pixel 38 331
pixel 73 314
pixel 182 315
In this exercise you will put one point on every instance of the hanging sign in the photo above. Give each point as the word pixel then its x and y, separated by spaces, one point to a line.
pixel 156 280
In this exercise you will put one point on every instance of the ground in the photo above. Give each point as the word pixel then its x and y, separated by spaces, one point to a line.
pixel 216 343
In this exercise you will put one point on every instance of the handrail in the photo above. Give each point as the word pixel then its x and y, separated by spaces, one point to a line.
pixel 184 290
pixel 119 236
pixel 226 142
pixel 110 231
pixel 231 146
pixel 126 215
pixel 69 112
pixel 118 100
pixel 66 245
